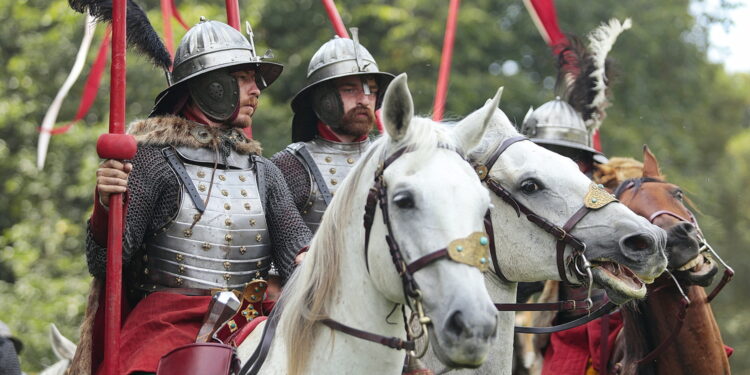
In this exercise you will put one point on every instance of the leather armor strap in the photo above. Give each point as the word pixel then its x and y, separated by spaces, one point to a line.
pixel 391 342
pixel 606 309
pixel 315 171
pixel 179 168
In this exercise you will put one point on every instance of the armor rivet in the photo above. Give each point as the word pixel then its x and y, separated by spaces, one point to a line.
pixel 258 237
pixel 334 181
pixel 228 222
pixel 328 159
pixel 187 232
pixel 224 193
pixel 182 269
pixel 206 246
pixel 260 263
pixel 483 241
pixel 247 206
pixel 310 203
pixel 180 257
pixel 252 222
pixel 243 250
pixel 179 281
pixel 145 271
pixel 257 275
pixel 228 238
pixel 227 206
pixel 227 265
pixel 201 174
pixel 243 178
pixel 304 212
pixel 332 170
pixel 243 192
pixel 202 187
pixel 227 276
pixel 145 258
pixel 222 177
pixel 350 161
pixel 483 260
pixel 459 248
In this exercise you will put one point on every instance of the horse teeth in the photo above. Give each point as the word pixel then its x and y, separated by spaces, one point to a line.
pixel 696 261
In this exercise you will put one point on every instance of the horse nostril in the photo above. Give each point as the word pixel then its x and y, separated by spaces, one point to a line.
pixel 685 228
pixel 456 324
pixel 638 242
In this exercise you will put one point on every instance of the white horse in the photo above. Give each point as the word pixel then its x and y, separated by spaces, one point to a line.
pixel 64 350
pixel 617 240
pixel 434 198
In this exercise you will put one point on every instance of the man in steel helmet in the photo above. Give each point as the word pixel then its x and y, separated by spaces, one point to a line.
pixel 333 116
pixel 204 211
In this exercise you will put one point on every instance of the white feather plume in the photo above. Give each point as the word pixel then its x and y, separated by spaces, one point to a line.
pixel 601 40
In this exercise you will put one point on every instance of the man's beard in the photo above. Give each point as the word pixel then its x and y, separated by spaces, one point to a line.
pixel 353 125
pixel 245 121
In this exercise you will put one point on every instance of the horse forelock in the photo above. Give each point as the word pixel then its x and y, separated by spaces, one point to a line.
pixel 310 290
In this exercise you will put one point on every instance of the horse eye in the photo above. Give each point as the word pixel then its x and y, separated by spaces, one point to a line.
pixel 530 186
pixel 679 195
pixel 404 200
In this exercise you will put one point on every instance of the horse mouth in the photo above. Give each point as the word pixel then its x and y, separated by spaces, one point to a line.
pixel 620 282
pixel 700 270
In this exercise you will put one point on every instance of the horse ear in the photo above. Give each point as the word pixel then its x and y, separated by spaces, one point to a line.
pixel 398 108
pixel 63 348
pixel 650 165
pixel 470 133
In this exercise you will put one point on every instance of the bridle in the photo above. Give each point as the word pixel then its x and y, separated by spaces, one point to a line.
pixel 576 262
pixel 702 242
pixel 684 300
pixel 470 250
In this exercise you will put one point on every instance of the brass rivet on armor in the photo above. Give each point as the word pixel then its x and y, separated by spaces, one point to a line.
pixel 180 257
pixel 227 206
pixel 222 177
pixel 350 161
pixel 201 187
pixel 145 271
pixel 247 206
pixel 260 263
pixel 228 238
pixel 258 237
pixel 309 203
pixel 227 265
pixel 243 249
pixel 201 174
pixel 227 276
pixel 334 181
pixel 145 258
pixel 243 178
pixel 182 269
pixel 179 281
pixel 228 222
pixel 187 232
pixel 224 193
pixel 206 246
pixel 252 222
pixel 257 274
pixel 332 170
pixel 304 212
pixel 243 192
pixel 328 159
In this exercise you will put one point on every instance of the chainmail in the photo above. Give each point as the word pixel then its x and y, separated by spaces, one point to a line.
pixel 296 175
pixel 9 364
pixel 153 200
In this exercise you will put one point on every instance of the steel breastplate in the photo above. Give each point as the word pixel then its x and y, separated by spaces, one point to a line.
pixel 335 161
pixel 228 246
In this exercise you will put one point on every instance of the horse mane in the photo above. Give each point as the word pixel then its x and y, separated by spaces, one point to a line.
pixel 617 170
pixel 310 290
pixel 637 339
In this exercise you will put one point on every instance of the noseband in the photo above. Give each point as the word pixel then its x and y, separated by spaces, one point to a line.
pixel 704 245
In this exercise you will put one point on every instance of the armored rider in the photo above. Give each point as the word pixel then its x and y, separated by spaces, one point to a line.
pixel 204 211
pixel 333 116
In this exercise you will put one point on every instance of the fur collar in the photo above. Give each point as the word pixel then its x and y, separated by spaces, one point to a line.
pixel 176 131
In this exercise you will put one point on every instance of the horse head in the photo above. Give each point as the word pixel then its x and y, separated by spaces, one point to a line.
pixel 664 204
pixel 622 247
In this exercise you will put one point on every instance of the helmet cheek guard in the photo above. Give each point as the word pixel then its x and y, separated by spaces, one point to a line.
pixel 216 93
pixel 327 104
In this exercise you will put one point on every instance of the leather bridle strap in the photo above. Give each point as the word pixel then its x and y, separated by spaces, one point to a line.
pixel 567 239
pixel 391 342
pixel 605 309
pixel 493 255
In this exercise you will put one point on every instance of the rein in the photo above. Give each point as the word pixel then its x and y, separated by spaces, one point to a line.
pixel 577 263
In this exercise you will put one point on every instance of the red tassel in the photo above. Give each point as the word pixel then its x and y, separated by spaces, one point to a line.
pixel 91 88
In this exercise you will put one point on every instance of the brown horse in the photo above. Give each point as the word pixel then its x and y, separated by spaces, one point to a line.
pixel 661 334
pixel 652 341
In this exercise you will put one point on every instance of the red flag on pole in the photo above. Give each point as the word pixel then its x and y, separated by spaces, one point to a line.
pixel 444 73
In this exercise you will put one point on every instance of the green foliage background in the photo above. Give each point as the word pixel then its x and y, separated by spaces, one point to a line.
pixel 692 113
